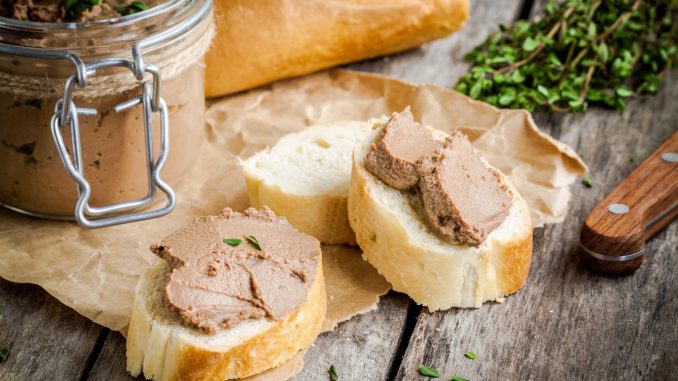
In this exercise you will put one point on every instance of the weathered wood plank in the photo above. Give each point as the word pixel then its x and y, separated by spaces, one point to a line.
pixel 442 62
pixel 46 339
pixel 569 323
pixel 111 365
pixel 362 348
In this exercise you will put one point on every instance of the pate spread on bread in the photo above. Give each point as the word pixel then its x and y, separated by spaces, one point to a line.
pixel 462 197
pixel 236 294
pixel 460 236
pixel 395 154
pixel 216 285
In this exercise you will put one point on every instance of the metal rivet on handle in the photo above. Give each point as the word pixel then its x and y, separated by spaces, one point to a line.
pixel 618 208
pixel 670 157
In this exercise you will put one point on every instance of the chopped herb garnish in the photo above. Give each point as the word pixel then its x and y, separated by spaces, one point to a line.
pixel 74 8
pixel 579 53
pixel 427 371
pixel 4 354
pixel 333 373
pixel 471 355
pixel 132 8
pixel 254 241
pixel 632 159
pixel 587 181
pixel 232 241
pixel 458 378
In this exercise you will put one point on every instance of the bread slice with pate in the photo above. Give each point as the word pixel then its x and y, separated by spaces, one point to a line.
pixel 234 295
pixel 460 265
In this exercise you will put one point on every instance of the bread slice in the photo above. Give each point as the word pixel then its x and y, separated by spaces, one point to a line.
pixel 304 177
pixel 396 240
pixel 164 349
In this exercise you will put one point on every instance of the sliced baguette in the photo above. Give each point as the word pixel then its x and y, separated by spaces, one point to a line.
pixel 304 177
pixel 164 349
pixel 396 240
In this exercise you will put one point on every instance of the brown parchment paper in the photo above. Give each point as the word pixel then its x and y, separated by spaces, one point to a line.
pixel 95 271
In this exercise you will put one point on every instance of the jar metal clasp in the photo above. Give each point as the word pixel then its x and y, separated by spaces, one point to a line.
pixel 66 113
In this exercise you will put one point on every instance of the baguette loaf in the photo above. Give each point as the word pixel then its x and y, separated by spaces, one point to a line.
pixel 261 41
pixel 400 245
pixel 158 343
pixel 304 177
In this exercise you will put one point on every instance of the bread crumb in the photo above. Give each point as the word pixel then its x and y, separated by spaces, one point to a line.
pixel 212 270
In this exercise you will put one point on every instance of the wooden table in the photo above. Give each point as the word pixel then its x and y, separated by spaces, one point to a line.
pixel 566 323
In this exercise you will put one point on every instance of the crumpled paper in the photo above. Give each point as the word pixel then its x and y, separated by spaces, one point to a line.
pixel 95 271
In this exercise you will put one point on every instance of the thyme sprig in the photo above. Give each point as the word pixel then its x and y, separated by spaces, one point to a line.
pixel 580 52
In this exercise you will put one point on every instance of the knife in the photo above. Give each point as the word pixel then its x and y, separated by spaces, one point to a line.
pixel 613 238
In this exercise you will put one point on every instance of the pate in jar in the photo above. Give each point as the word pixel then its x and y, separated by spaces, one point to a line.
pixel 88 108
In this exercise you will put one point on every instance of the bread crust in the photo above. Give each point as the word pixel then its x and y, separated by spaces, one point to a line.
pixel 188 361
pixel 261 41
pixel 438 275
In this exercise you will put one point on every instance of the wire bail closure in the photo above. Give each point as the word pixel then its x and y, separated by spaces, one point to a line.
pixel 66 113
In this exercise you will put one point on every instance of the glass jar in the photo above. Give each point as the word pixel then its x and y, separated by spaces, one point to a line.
pixel 131 71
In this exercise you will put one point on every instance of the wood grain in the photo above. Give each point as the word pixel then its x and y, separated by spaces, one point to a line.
pixel 46 339
pixel 362 348
pixel 569 323
pixel 111 365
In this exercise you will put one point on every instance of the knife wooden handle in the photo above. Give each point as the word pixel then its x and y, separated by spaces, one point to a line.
pixel 614 233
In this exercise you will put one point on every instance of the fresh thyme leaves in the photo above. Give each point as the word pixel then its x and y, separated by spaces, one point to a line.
pixel 426 370
pixel 232 241
pixel 254 241
pixel 587 181
pixel 471 355
pixel 458 378
pixel 74 8
pixel 131 8
pixel 333 373
pixel 580 52
pixel 4 354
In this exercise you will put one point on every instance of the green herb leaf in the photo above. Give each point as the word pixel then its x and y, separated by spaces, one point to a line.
pixel 471 355
pixel 458 378
pixel 254 241
pixel 427 371
pixel 333 373
pixel 232 241
pixel 530 44
pixel 132 8
pixel 587 181
pixel 623 92
pixel 475 90
pixel 4 354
